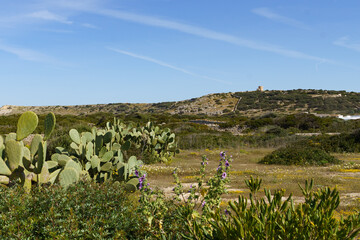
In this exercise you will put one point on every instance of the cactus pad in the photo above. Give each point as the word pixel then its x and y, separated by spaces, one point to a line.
pixel 15 152
pixel 50 121
pixel 4 170
pixel 4 180
pixel 74 135
pixel 34 147
pixel 68 176
pixel 131 185
pixel 27 123
pixel 106 167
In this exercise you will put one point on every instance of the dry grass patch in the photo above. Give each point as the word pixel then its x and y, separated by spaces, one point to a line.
pixel 344 177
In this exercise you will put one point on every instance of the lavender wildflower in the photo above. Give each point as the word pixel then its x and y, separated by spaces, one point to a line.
pixel 224 175
pixel 227 164
pixel 203 203
pixel 141 180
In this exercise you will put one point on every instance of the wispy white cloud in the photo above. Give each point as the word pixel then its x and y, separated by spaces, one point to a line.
pixel 95 7
pixel 267 13
pixel 25 54
pixel 30 18
pixel 88 25
pixel 49 16
pixel 56 30
pixel 164 64
pixel 344 42
pixel 209 34
pixel 78 5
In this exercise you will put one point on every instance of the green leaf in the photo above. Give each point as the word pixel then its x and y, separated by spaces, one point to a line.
pixel 68 176
pixel 95 161
pixel 34 147
pixel 27 123
pixel 72 164
pixel 131 185
pixel 54 175
pixel 52 164
pixel 49 122
pixel 4 170
pixel 125 146
pixel 107 156
pixel 4 180
pixel 106 167
pixel 74 135
pixel 15 152
pixel 107 137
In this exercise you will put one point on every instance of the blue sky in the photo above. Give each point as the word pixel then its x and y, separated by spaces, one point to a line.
pixel 65 52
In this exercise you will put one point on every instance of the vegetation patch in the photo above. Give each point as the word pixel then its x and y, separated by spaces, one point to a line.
pixel 299 155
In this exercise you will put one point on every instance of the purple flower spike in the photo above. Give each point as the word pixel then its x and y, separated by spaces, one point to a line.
pixel 203 203
pixel 137 173
pixel 227 164
pixel 223 175
pixel 226 212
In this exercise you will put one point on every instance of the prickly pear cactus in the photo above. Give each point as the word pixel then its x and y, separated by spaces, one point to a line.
pixel 102 154
pixel 26 164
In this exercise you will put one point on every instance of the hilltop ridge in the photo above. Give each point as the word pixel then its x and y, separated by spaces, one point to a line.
pixel 250 103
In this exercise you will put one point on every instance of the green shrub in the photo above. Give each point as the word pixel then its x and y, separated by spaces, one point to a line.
pixel 271 217
pixel 299 155
pixel 83 211
pixel 340 143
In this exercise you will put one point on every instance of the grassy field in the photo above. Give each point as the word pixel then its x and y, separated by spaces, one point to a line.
pixel 344 177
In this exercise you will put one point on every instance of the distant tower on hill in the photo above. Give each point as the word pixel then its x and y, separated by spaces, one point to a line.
pixel 260 88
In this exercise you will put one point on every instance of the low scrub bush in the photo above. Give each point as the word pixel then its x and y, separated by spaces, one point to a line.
pixel 271 217
pixel 340 143
pixel 299 155
pixel 83 211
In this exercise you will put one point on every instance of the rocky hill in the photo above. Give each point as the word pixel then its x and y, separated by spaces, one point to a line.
pixel 250 103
